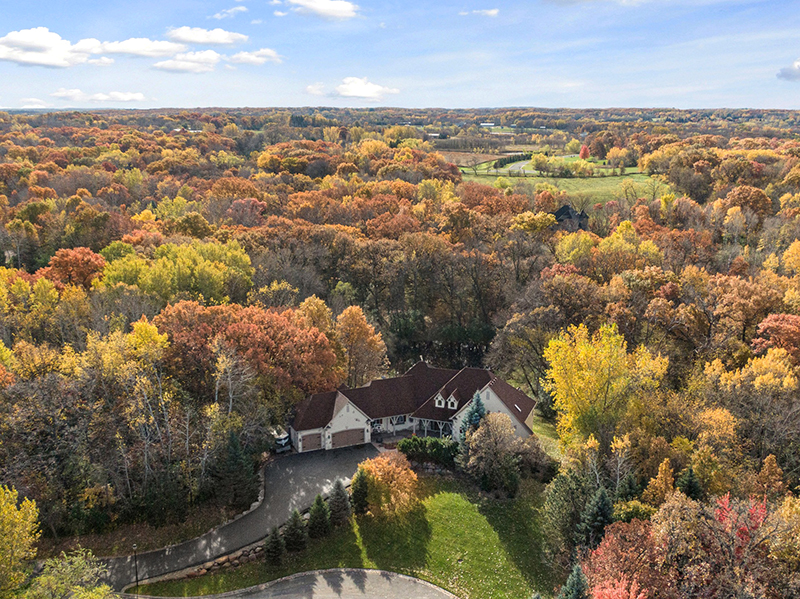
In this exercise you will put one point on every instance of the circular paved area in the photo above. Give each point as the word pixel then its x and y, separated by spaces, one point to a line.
pixel 343 584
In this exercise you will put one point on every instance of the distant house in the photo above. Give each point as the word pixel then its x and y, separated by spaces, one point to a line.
pixel 569 219
pixel 427 401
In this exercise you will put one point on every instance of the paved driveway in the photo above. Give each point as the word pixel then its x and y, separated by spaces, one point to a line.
pixel 341 584
pixel 291 482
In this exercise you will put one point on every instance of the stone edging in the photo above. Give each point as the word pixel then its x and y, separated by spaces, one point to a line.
pixel 267 585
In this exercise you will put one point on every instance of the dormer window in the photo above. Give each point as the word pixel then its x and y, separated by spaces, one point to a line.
pixel 452 404
pixel 439 401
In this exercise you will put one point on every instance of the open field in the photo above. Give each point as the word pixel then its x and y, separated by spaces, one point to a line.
pixel 456 538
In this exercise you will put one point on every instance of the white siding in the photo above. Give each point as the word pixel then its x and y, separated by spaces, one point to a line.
pixel 492 403
pixel 346 416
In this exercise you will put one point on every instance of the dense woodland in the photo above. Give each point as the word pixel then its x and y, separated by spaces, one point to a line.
pixel 174 282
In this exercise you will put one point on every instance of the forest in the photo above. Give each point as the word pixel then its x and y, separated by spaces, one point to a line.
pixel 174 282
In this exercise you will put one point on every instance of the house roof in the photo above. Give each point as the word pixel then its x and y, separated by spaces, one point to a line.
pixel 315 412
pixel 462 387
pixel 515 400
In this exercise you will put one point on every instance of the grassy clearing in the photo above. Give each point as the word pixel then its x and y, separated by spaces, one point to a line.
pixel 598 189
pixel 120 540
pixel 548 437
pixel 458 539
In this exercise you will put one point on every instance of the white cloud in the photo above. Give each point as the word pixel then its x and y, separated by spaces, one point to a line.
pixel 256 22
pixel 229 13
pixel 76 95
pixel 103 61
pixel 40 46
pixel 279 13
pixel 316 89
pixel 191 62
pixel 791 73
pixel 142 46
pixel 257 57
pixel 327 9
pixel 488 12
pixel 355 87
pixel 211 37
pixel 33 103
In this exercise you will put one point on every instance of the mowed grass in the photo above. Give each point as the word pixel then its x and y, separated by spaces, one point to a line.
pixel 457 538
pixel 597 189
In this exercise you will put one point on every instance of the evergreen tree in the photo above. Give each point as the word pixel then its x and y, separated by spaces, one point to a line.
pixel 235 481
pixel 295 534
pixel 628 488
pixel 599 513
pixel 339 504
pixel 576 586
pixel 359 491
pixel 275 548
pixel 689 484
pixel 319 519
pixel 474 415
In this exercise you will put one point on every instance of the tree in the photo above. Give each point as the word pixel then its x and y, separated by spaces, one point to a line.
pixel 584 153
pixel 78 266
pixel 295 533
pixel 319 519
pixel 339 504
pixel 364 349
pixel 359 491
pixel 76 574
pixel 594 381
pixel 474 416
pixel 19 531
pixel 779 330
pixel 770 479
pixel 275 548
pixel 576 586
pixel 491 454
pixel 598 514
pixel 235 482
pixel 661 487
pixel 689 484
pixel 392 483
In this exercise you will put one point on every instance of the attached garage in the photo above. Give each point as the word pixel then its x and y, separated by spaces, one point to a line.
pixel 353 436
pixel 311 442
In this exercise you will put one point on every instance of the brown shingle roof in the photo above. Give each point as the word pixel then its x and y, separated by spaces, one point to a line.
pixel 315 411
pixel 515 400
pixel 462 386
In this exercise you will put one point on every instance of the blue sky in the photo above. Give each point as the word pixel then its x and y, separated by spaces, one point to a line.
pixel 468 53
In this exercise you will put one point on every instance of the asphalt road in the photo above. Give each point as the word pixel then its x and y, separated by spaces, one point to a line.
pixel 291 481
pixel 341 584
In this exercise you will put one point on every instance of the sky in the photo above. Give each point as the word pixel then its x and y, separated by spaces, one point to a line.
pixel 409 53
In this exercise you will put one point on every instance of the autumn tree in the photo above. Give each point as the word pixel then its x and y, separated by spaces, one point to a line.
pixel 78 266
pixel 391 482
pixel 19 531
pixel 75 574
pixel 490 454
pixel 364 349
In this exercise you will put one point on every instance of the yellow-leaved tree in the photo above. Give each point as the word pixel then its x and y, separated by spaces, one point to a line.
pixel 594 380
pixel 364 349
pixel 19 531
pixel 392 483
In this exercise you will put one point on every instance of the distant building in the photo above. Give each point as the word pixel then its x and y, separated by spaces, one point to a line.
pixel 569 219
pixel 425 400
pixel 487 124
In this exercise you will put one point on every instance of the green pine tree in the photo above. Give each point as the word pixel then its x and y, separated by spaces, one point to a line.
pixel 576 586
pixel 319 519
pixel 475 414
pixel 599 513
pixel 275 548
pixel 234 478
pixel 339 504
pixel 359 491
pixel 628 488
pixel 295 534
pixel 689 484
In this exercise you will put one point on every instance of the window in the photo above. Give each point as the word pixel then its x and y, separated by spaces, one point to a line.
pixel 399 419
pixel 439 401
pixel 452 403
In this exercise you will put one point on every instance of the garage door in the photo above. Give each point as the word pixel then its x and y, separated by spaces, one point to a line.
pixel 310 442
pixel 350 437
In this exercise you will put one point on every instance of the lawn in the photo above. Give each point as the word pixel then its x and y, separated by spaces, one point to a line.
pixel 596 189
pixel 458 539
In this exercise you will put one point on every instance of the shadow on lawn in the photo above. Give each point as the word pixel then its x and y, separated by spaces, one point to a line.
pixel 398 542
pixel 517 524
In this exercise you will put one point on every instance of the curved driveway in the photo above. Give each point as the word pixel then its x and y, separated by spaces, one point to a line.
pixel 340 584
pixel 292 481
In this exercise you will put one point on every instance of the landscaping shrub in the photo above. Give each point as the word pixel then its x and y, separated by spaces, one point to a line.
pixel 392 485
pixel 339 504
pixel 319 519
pixel 359 492
pixel 275 548
pixel 295 534
pixel 433 450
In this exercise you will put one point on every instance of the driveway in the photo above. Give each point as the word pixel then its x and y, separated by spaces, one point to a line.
pixel 340 584
pixel 291 482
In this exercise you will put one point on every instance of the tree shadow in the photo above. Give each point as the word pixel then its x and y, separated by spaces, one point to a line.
pixel 398 542
pixel 335 580
pixel 517 523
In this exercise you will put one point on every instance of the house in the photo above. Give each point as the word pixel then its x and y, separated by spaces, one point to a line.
pixel 571 220
pixel 425 400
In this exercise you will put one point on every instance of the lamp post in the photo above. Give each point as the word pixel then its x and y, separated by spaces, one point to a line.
pixel 136 567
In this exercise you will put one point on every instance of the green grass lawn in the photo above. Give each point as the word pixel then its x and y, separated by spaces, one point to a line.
pixel 475 547
pixel 598 189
